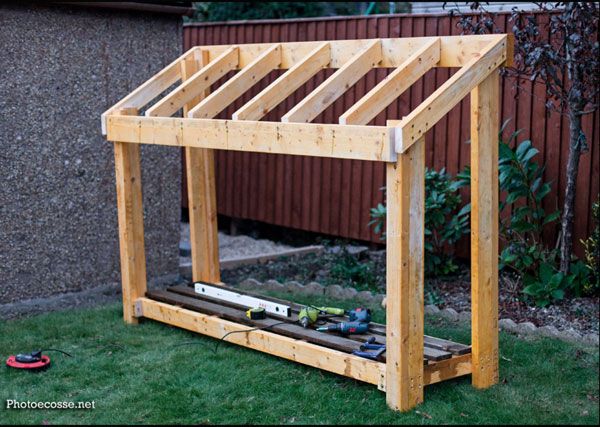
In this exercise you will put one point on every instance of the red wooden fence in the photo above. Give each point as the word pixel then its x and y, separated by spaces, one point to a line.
pixel 334 196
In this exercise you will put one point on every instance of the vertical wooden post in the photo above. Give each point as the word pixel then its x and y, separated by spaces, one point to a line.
pixel 202 198
pixel 484 231
pixel 131 223
pixel 405 278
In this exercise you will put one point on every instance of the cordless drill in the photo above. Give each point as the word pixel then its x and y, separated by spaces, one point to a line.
pixel 309 315
pixel 346 328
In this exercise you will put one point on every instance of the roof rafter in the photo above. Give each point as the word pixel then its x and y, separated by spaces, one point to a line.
pixel 332 88
pixel 285 85
pixel 238 84
pixel 393 85
pixel 440 102
pixel 196 84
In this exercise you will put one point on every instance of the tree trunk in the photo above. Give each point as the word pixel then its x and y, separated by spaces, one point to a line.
pixel 575 148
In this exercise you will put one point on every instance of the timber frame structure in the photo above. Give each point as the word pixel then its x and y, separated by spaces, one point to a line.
pixel 401 144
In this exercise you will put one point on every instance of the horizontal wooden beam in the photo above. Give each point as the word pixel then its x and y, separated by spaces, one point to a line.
pixel 285 85
pixel 307 139
pixel 235 87
pixel 440 102
pixel 336 85
pixel 393 85
pixel 196 84
pixel 447 369
pixel 456 51
pixel 151 88
pixel 361 369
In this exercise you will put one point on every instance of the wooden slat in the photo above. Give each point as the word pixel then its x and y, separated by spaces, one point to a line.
pixel 456 50
pixel 202 194
pixel 332 88
pixel 427 114
pixel 195 84
pixel 390 88
pixel 150 89
pixel 131 223
pixel 430 353
pixel 288 348
pixel 238 84
pixel 484 230
pixel 285 85
pixel 404 279
pixel 350 142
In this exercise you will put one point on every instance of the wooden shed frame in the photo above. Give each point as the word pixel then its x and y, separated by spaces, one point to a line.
pixel 401 144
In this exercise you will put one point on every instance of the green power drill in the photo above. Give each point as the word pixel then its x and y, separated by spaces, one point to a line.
pixel 309 314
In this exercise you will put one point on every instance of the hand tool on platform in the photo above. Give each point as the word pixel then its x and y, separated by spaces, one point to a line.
pixel 360 314
pixel 310 314
pixel 370 345
pixel 346 328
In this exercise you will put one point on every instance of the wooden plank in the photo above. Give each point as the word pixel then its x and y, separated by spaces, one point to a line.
pixel 431 353
pixel 427 114
pixel 196 84
pixel 130 211
pixel 484 231
pixel 447 369
pixel 150 89
pixel 238 84
pixel 201 192
pixel 456 51
pixel 390 88
pixel 290 328
pixel 349 142
pixel 332 88
pixel 404 279
pixel 361 369
pixel 285 85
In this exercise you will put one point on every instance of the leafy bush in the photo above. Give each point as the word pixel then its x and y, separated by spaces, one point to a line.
pixel 592 255
pixel 349 271
pixel 445 223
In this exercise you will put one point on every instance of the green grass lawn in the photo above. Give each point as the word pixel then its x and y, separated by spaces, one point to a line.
pixel 138 374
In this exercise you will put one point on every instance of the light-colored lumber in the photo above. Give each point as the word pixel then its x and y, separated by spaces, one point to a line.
pixel 196 84
pixel 456 51
pixel 390 88
pixel 440 102
pixel 285 85
pixel 308 139
pixel 202 198
pixel 485 121
pixel 238 84
pixel 405 278
pixel 130 212
pixel 335 86
pixel 444 370
pixel 361 369
pixel 150 89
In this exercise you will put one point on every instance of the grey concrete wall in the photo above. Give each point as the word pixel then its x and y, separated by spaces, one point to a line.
pixel 60 68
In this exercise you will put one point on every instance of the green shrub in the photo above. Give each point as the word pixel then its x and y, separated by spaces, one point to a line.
pixel 592 256
pixel 349 271
pixel 445 222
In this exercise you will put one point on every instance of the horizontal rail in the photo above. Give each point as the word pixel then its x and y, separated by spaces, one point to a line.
pixel 361 369
pixel 455 51
pixel 374 143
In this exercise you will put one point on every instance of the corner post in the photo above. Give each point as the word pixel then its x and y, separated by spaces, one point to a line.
pixel 484 231
pixel 202 195
pixel 405 277
pixel 131 223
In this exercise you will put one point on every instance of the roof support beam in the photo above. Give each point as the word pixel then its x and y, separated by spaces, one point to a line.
pixel 285 85
pixel 196 84
pixel 151 88
pixel 393 85
pixel 332 88
pixel 238 84
pixel 440 102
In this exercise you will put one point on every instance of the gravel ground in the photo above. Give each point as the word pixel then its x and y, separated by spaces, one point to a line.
pixel 232 247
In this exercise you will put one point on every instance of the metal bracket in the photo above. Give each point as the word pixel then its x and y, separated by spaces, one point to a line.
pixel 137 309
